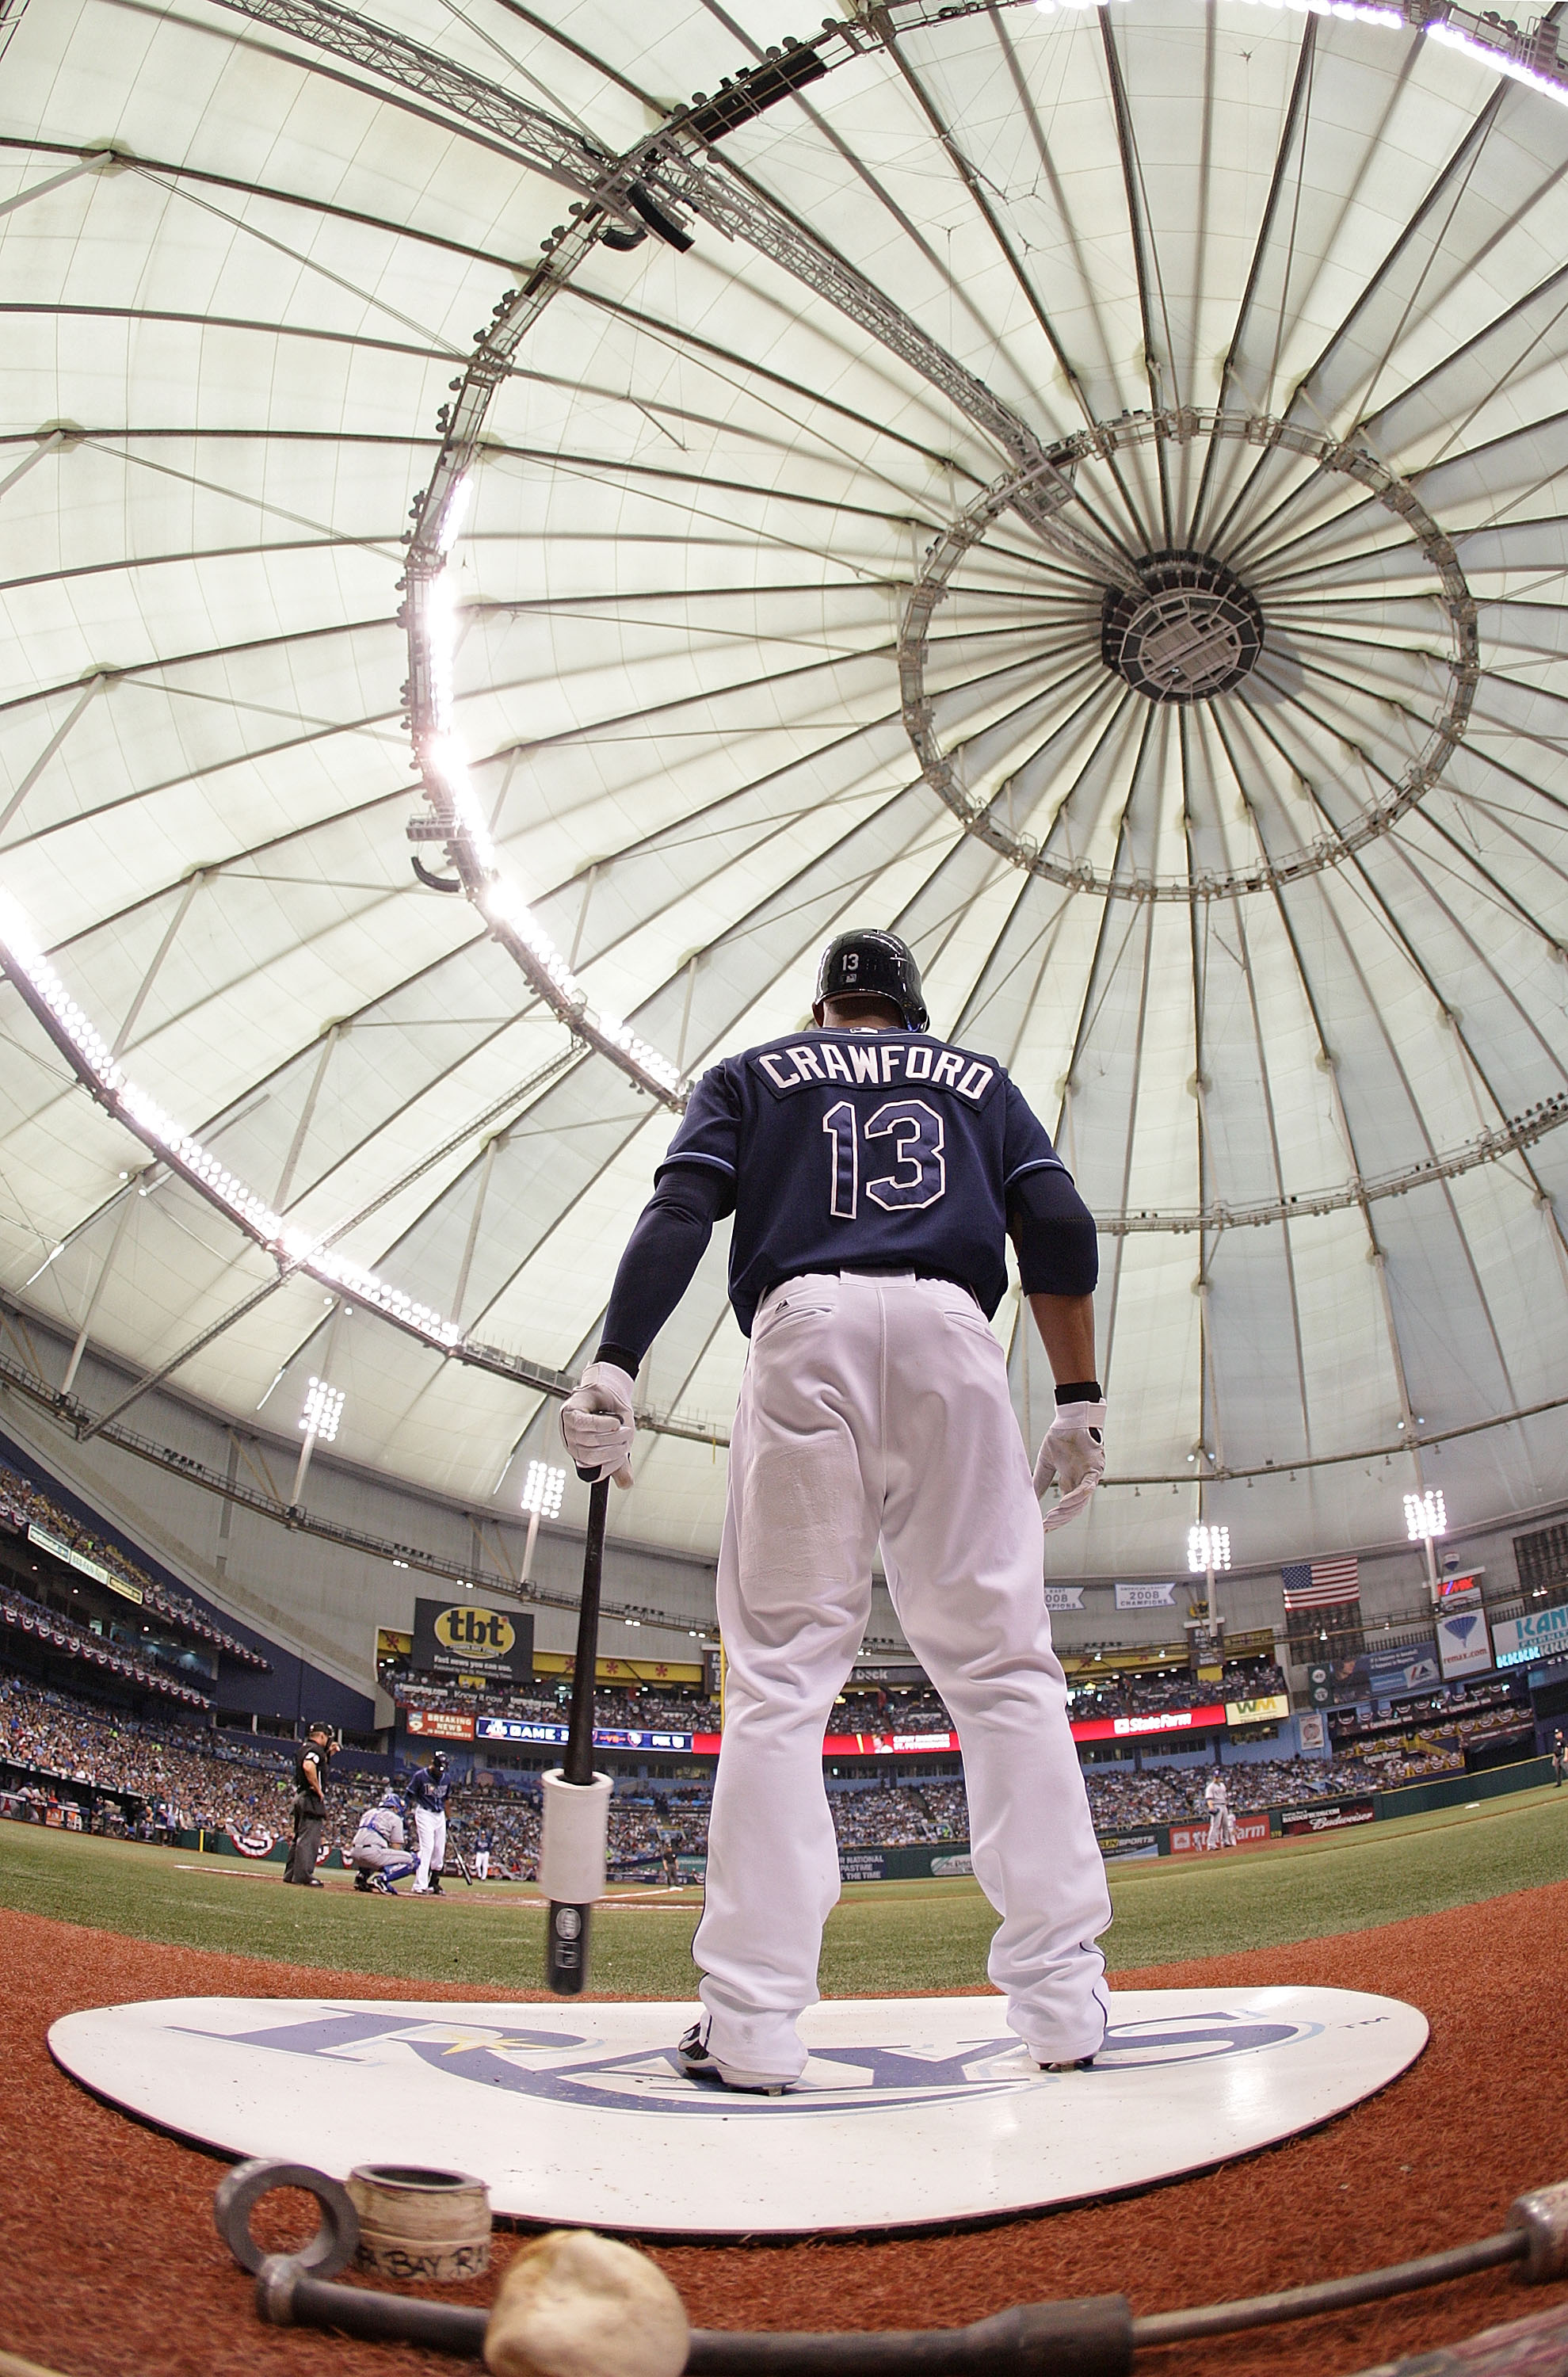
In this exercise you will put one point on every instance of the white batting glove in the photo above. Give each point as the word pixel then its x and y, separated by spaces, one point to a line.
pixel 597 1423
pixel 1072 1457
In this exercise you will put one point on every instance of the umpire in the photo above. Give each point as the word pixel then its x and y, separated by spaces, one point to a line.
pixel 310 1807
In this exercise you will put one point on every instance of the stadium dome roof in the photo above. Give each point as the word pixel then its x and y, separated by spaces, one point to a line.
pixel 1083 488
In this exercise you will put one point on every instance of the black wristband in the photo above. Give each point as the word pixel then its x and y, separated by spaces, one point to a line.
pixel 1081 1391
pixel 620 1356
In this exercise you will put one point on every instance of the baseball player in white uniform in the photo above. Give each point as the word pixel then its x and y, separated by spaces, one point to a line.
pixel 1222 1823
pixel 427 1792
pixel 874 1173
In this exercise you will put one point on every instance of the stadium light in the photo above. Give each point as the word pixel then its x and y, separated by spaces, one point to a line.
pixel 1207 1547
pixel 323 1410
pixel 1426 1518
pixel 1426 1515
pixel 542 1492
pixel 319 1422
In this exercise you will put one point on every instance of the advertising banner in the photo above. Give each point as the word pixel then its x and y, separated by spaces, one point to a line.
pixel 1205 1643
pixel 1459 1591
pixel 959 1862
pixel 1064 1597
pixel 515 1728
pixel 463 1638
pixel 1187 1840
pixel 1144 1843
pixel 1270 1710
pixel 1464 1646
pixel 57 1549
pixel 440 1725
pixel 1374 1675
pixel 1337 1683
pixel 1156 1721
pixel 887 1745
pixel 1411 1668
pixel 1325 1816
pixel 622 1671
pixel 1144 1596
pixel 862 1865
pixel 1541 1634
pixel 1312 1732
pixel 552 1737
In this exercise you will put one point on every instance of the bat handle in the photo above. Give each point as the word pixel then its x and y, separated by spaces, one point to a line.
pixel 565 1948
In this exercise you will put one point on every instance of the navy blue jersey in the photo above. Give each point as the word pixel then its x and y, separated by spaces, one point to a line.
pixel 863 1150
pixel 426 1791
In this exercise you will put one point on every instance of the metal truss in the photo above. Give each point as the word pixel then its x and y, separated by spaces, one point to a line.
pixel 1487 1147
pixel 299 1519
pixel 673 176
pixel 1180 424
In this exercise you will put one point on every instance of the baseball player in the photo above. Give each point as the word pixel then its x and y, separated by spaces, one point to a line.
pixel 379 1853
pixel 874 1173
pixel 427 1797
pixel 483 1841
pixel 1222 1823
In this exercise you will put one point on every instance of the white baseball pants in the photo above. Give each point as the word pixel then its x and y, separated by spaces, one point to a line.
pixel 1222 1830
pixel 482 1864
pixel 877 1408
pixel 430 1831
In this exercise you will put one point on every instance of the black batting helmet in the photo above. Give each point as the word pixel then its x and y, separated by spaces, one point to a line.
pixel 437 1762
pixel 877 964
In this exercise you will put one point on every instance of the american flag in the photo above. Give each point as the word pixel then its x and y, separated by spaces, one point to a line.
pixel 1317 1584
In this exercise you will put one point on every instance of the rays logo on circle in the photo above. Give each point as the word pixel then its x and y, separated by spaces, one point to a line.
pixel 559 2068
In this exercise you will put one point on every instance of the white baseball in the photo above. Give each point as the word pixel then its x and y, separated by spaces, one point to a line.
pixel 577 2305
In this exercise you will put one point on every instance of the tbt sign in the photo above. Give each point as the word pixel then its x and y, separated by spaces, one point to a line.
pixel 463 1638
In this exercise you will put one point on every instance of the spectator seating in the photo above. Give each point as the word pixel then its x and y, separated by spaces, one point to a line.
pixel 23 1503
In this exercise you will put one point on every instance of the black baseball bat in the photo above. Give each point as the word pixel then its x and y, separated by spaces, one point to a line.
pixel 565 1935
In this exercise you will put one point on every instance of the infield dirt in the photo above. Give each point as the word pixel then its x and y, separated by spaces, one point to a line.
pixel 110 2266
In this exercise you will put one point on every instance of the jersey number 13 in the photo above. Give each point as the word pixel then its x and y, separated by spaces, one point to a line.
pixel 919 1167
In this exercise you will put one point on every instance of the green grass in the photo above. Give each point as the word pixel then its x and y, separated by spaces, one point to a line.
pixel 927 1935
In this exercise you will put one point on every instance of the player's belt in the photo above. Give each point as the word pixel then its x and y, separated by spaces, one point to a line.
pixel 853 1270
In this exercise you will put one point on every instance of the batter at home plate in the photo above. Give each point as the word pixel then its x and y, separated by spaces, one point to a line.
pixel 875 1173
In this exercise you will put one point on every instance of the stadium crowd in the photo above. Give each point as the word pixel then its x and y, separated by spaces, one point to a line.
pixel 185 1778
pixel 164 1779
pixel 1146 1695
pixel 641 1707
pixel 23 1504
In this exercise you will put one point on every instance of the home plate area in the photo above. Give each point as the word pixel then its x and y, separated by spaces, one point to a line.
pixel 911 2110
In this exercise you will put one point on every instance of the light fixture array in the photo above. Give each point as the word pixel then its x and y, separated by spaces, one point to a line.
pixel 1426 1515
pixel 290 1249
pixel 323 1411
pixel 1207 1547
pixel 543 1490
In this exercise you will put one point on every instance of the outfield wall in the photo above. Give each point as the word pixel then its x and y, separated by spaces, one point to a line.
pixel 1255 1826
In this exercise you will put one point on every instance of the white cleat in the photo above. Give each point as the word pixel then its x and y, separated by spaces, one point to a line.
pixel 697 2064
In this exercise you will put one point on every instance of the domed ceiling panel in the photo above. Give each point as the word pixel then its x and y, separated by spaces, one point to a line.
pixel 1089 496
